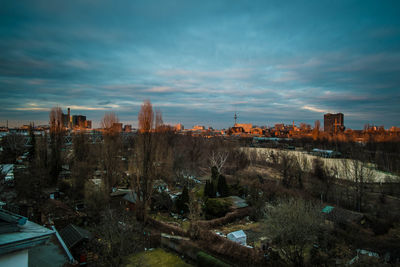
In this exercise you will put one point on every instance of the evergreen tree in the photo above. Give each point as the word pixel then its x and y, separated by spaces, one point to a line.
pixel 183 201
pixel 209 189
pixel 222 187
pixel 206 189
pixel 214 174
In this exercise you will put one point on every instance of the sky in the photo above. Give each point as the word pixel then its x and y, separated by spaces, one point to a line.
pixel 199 62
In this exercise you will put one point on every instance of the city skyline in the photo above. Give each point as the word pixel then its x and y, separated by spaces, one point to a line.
pixel 201 62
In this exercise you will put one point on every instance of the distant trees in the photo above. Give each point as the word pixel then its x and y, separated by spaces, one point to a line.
pixel 107 122
pixel 317 128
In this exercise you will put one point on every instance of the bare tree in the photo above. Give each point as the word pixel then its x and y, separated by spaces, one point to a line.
pixel 110 161
pixel 159 120
pixel 317 126
pixel 119 235
pixel 108 120
pixel 323 179
pixel 194 214
pixel 152 160
pixel 146 117
pixel 359 173
pixel 294 225
pixel 56 120
pixel 218 159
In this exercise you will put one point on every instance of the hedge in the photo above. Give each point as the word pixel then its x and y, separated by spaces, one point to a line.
pixel 206 260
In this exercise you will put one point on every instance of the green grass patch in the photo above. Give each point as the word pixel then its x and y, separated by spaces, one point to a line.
pixel 156 257
pixel 199 190
pixel 206 260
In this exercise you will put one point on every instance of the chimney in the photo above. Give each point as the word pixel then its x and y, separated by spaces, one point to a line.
pixel 69 118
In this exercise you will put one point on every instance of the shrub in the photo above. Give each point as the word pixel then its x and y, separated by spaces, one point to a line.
pixel 206 260
pixel 215 208
pixel 229 217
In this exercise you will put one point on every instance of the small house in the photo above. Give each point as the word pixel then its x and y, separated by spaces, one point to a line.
pixel 76 239
pixel 341 216
pixel 8 172
pixel 130 200
pixel 237 202
pixel 238 237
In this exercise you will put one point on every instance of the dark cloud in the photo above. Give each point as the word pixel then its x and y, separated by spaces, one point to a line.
pixel 199 62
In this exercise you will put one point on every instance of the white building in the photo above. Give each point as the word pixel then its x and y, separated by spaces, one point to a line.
pixel 238 237
pixel 17 236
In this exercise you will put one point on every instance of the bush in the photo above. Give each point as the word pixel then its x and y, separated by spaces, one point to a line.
pixel 229 217
pixel 216 207
pixel 161 201
pixel 206 260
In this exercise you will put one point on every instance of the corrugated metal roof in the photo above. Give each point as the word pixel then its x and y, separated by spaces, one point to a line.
pixel 237 234
pixel 72 235
pixel 327 209
pixel 21 233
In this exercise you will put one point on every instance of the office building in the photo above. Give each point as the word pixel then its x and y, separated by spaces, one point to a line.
pixel 78 121
pixel 334 123
pixel 127 128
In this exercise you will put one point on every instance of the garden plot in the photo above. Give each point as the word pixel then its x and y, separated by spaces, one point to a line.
pixel 254 231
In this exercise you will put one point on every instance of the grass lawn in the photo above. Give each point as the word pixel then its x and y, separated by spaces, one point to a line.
pixel 156 257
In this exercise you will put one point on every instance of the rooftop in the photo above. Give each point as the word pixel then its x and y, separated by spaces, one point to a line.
pixel 17 233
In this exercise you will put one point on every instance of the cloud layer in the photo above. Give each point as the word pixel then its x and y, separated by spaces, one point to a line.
pixel 199 62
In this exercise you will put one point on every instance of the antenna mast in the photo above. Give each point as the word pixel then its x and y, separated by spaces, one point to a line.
pixel 235 117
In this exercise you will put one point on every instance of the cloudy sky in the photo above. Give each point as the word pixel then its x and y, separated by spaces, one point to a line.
pixel 200 61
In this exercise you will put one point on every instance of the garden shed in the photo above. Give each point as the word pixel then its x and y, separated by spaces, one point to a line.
pixel 238 237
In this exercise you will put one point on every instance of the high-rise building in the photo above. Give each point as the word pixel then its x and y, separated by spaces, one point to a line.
pixel 88 124
pixel 78 121
pixel 179 127
pixel 333 122
pixel 246 126
pixel 117 127
pixel 127 128
pixel 66 119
